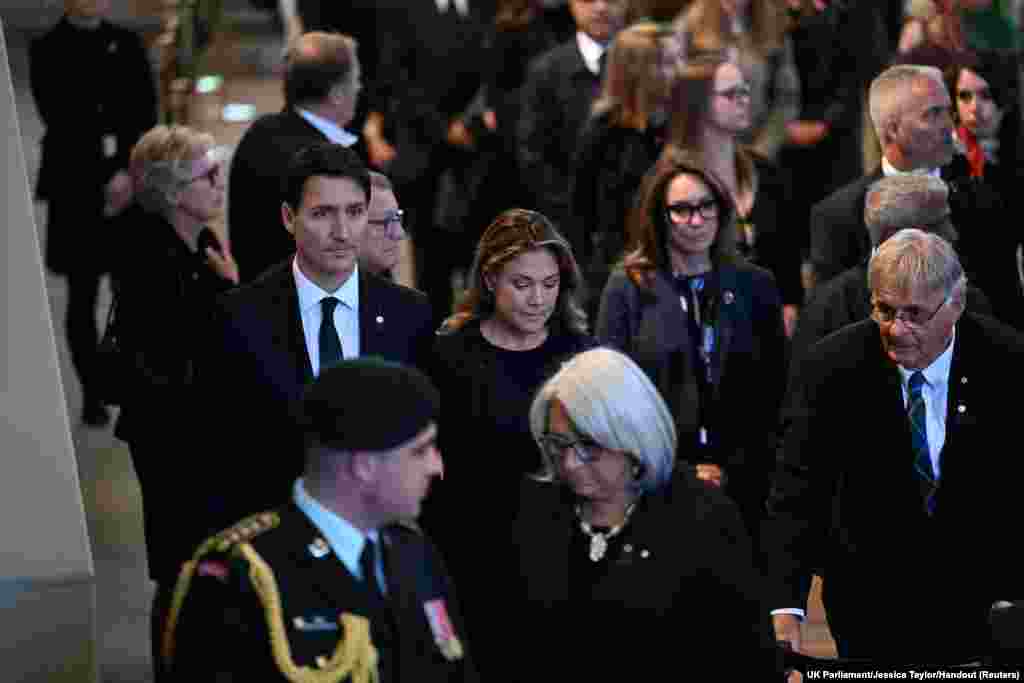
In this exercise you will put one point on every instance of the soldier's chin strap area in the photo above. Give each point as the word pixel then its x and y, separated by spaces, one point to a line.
pixel 354 655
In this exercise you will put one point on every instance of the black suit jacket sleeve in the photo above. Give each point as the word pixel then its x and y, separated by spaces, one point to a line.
pixel 540 117
pixel 839 239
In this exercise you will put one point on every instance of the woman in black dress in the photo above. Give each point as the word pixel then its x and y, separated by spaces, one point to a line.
pixel 166 284
pixel 517 324
pixel 619 551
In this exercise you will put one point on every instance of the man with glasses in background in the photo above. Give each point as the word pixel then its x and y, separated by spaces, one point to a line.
pixel 894 475
pixel 382 244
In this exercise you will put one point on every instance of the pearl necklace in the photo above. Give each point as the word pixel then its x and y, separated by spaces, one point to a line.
pixel 598 540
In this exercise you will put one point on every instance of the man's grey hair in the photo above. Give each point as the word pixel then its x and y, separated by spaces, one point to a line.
pixel 890 93
pixel 907 201
pixel 913 261
pixel 610 400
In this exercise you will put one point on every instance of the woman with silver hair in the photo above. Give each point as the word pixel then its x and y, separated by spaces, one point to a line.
pixel 165 285
pixel 618 548
pixel 518 322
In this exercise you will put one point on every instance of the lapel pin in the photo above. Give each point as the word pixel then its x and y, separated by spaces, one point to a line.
pixel 728 297
pixel 963 380
pixel 319 548
pixel 321 662
pixel 380 319
pixel 628 548
pixel 299 623
pixel 961 408
pixel 645 554
pixel 112 48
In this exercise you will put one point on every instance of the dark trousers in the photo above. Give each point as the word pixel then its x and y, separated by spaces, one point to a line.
pixel 82 330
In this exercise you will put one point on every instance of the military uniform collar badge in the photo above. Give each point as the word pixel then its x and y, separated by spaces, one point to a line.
pixel 319 548
pixel 442 629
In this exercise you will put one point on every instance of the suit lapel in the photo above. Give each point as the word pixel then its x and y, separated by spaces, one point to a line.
pixel 371 316
pixel 959 407
pixel 287 334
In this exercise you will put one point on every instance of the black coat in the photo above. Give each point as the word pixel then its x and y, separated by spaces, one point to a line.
pixel 165 293
pixel 748 367
pixel 898 584
pixel 610 163
pixel 839 239
pixel 776 234
pixel 683 570
pixel 94 106
pixel 258 236
pixel 221 629
pixel 257 368
pixel 556 102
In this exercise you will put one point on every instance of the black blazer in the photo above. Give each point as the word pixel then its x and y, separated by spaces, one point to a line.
pixel 556 99
pixel 258 367
pixel 839 239
pixel 222 629
pixel 684 570
pixel 87 86
pixel 845 499
pixel 748 365
pixel 258 236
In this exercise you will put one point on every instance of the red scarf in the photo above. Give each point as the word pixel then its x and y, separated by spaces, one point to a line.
pixel 975 154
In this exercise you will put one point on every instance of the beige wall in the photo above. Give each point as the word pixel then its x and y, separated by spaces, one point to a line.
pixel 46 571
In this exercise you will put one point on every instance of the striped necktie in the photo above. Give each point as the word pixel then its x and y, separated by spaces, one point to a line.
pixel 923 471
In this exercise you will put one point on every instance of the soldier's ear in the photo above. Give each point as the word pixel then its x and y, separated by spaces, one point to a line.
pixel 363 467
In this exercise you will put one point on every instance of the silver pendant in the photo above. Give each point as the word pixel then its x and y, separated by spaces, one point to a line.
pixel 598 547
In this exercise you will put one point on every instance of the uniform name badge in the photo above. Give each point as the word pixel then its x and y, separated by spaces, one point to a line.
pixel 441 627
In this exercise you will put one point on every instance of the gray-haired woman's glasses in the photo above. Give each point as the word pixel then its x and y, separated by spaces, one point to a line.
pixel 555 446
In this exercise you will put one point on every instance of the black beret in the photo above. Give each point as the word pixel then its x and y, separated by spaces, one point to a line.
pixel 368 404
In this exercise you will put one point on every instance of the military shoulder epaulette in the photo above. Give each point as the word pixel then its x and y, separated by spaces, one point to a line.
pixel 242 532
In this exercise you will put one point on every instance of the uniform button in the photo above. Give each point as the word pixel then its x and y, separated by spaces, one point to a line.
pixel 321 661
pixel 299 622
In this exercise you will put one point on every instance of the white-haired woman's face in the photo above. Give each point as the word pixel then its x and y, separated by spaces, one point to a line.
pixel 202 194
pixel 591 471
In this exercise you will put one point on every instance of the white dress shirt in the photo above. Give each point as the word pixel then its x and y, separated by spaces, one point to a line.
pixel 345 540
pixel 591 50
pixel 346 314
pixel 935 392
pixel 330 129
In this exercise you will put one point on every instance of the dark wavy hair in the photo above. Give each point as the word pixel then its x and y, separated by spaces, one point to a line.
pixel 651 228
pixel 512 233
pixel 1000 72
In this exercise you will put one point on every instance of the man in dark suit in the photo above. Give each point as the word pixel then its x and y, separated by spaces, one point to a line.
pixel 338 583
pixel 321 88
pixel 272 336
pixel 894 476
pixel 910 110
pixel 891 204
pixel 560 88
pixel 93 87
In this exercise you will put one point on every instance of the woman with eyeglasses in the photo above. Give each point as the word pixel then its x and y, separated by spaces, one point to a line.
pixel 711 110
pixel 172 267
pixel 985 176
pixel 706 326
pixel 619 549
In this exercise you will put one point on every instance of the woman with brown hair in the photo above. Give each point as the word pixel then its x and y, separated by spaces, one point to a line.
pixel 618 145
pixel 706 326
pixel 711 110
pixel 518 322
pixel 754 34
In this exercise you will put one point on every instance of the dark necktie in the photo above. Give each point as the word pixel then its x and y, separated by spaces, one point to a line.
pixel 368 566
pixel 917 411
pixel 330 343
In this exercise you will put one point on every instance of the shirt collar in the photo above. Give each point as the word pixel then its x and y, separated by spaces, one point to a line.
pixel 330 129
pixel 936 374
pixel 890 170
pixel 591 50
pixel 345 540
pixel 311 295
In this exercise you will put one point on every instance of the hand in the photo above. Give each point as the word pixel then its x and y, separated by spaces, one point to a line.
pixel 790 316
pixel 490 119
pixel 223 264
pixel 787 630
pixel 806 133
pixel 711 473
pixel 119 192
pixel 459 135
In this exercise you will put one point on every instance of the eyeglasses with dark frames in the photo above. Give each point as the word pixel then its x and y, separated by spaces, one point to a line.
pixel 211 175
pixel 555 446
pixel 735 93
pixel 912 317
pixel 683 212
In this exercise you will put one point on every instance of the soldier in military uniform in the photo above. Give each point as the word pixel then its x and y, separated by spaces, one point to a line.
pixel 337 584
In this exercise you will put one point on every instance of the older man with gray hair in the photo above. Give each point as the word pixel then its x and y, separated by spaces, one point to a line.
pixel 891 204
pixel 894 473
pixel 909 108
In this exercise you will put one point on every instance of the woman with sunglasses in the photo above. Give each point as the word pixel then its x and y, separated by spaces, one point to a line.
pixel 707 328
pixel 164 286
pixel 518 322
pixel 618 549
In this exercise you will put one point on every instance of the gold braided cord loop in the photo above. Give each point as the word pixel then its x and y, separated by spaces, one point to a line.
pixel 354 655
